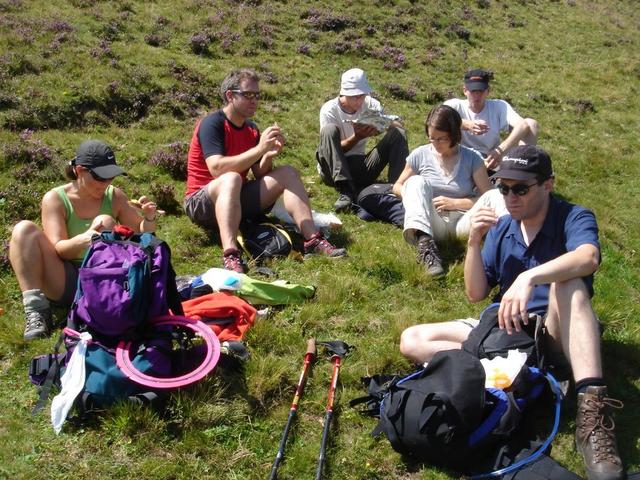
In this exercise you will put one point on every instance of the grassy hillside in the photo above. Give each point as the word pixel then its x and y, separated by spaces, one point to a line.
pixel 138 74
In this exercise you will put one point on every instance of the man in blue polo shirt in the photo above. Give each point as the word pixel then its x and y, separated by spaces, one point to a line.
pixel 542 258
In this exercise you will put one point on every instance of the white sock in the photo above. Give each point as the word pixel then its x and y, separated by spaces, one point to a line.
pixel 34 300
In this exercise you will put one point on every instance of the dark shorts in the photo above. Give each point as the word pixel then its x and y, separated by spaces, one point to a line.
pixel 70 285
pixel 201 210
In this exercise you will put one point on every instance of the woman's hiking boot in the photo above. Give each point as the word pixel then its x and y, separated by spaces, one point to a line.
pixel 595 434
pixel 320 245
pixel 429 256
pixel 232 260
pixel 38 324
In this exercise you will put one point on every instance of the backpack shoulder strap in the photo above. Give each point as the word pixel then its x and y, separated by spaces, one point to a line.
pixel 488 320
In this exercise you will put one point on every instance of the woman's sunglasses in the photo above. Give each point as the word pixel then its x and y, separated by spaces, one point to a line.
pixel 97 177
pixel 520 189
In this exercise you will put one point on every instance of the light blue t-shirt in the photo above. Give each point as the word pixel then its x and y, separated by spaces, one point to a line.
pixel 460 184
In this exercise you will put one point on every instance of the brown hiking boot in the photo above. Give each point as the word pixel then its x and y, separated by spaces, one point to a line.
pixel 595 435
pixel 429 256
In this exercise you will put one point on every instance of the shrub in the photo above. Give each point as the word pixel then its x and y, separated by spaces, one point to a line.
pixel 199 43
pixel 164 195
pixel 172 159
pixel 400 92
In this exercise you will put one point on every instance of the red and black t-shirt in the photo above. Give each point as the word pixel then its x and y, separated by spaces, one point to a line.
pixel 216 135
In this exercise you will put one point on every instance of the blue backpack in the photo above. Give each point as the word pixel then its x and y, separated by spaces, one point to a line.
pixel 125 280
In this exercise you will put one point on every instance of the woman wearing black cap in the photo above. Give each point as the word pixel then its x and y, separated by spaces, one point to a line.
pixel 46 260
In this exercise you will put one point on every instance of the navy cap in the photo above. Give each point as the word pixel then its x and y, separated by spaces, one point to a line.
pixel 477 79
pixel 525 162
pixel 98 157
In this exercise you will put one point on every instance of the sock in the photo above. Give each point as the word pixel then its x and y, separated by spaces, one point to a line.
pixel 420 235
pixel 581 386
pixel 34 300
pixel 230 251
pixel 313 237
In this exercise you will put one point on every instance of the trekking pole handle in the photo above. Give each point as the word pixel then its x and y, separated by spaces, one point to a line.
pixel 311 346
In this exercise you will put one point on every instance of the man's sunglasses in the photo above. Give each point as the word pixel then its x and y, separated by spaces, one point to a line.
pixel 97 177
pixel 520 189
pixel 248 95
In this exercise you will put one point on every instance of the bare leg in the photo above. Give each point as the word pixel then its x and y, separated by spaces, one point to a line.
pixel 421 342
pixel 572 322
pixel 35 260
pixel 286 181
pixel 224 193
pixel 531 138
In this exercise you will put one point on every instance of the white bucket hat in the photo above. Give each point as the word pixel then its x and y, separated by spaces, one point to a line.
pixel 354 82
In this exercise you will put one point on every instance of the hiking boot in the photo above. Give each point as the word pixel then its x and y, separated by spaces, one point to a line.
pixel 320 245
pixel 344 203
pixel 429 256
pixel 595 435
pixel 232 260
pixel 38 324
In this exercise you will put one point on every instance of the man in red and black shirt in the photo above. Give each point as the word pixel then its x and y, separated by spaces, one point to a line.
pixel 225 145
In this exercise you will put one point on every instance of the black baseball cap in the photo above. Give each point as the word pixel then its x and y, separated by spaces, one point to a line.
pixel 98 157
pixel 525 162
pixel 477 79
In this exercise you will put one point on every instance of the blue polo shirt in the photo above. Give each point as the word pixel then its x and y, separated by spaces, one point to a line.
pixel 505 254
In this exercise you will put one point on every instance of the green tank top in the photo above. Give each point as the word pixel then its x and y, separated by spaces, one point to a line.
pixel 77 225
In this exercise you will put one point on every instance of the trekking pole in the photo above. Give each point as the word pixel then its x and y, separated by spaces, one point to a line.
pixel 308 359
pixel 338 351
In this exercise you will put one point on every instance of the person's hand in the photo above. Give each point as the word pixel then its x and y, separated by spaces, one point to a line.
pixel 271 141
pixel 441 203
pixel 481 221
pixel 478 127
pixel 493 158
pixel 513 307
pixel 148 208
pixel 363 130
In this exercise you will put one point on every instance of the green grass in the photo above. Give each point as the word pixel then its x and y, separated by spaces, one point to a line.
pixel 572 65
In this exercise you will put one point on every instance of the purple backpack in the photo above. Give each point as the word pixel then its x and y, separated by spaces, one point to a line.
pixel 125 280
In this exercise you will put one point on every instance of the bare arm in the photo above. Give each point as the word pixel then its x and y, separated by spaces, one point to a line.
pixel 520 131
pixel 581 262
pixel 360 131
pixel 54 225
pixel 406 173
pixel 475 279
pixel 128 215
pixel 269 139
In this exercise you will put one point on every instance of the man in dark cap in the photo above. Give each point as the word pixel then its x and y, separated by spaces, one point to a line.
pixel 542 256
pixel 483 119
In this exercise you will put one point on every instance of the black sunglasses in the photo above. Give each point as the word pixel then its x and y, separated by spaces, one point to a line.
pixel 248 95
pixel 97 177
pixel 520 189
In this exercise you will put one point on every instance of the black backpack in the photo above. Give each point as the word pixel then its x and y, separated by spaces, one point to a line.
pixel 376 202
pixel 263 241
pixel 444 415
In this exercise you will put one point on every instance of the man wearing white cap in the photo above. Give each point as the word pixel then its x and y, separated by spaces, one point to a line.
pixel 342 159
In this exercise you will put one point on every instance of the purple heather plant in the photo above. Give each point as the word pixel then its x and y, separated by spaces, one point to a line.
pixel 172 159
pixel 164 195
pixel 199 43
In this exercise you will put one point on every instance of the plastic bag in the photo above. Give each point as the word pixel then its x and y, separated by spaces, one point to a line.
pixel 500 371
